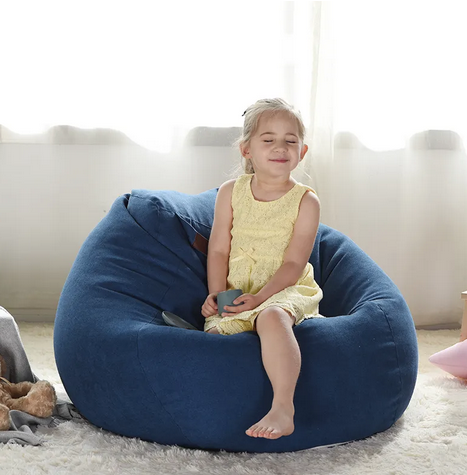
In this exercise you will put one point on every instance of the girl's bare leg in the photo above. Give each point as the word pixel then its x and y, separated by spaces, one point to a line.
pixel 282 361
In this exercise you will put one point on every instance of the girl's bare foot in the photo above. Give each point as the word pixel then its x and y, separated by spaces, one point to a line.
pixel 276 423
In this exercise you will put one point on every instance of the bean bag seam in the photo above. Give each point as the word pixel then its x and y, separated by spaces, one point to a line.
pixel 171 210
pixel 397 360
pixel 171 282
pixel 161 243
pixel 183 264
pixel 154 392
pixel 189 220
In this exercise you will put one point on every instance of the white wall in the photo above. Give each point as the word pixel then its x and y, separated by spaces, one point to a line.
pixel 54 194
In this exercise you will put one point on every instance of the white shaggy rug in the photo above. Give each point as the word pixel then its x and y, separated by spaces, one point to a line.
pixel 431 437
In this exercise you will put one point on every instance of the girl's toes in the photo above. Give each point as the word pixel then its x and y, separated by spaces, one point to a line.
pixel 257 432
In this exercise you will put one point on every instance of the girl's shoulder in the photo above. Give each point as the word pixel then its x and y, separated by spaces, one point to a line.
pixel 229 185
pixel 234 190
pixel 308 198
pixel 226 189
pixel 309 203
pixel 304 187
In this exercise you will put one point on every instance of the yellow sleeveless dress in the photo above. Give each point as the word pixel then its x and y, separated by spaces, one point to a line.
pixel 261 232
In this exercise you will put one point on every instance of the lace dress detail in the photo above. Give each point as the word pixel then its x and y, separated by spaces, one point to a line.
pixel 261 232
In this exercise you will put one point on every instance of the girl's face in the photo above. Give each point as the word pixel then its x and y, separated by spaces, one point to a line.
pixel 275 148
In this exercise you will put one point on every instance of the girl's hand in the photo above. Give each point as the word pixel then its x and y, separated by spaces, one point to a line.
pixel 209 307
pixel 246 301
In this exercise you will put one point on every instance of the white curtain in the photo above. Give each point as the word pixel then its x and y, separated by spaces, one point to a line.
pixel 381 86
pixel 387 142
pixel 380 70
pixel 150 69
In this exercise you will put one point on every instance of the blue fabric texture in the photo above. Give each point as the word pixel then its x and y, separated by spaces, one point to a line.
pixel 129 373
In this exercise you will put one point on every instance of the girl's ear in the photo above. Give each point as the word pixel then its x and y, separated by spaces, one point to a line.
pixel 245 150
pixel 303 152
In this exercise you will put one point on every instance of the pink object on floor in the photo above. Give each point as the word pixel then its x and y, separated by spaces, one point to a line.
pixel 452 360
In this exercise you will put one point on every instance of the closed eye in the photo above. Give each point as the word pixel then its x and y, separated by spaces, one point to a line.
pixel 288 141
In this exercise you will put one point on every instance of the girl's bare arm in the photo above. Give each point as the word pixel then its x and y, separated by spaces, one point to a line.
pixel 219 242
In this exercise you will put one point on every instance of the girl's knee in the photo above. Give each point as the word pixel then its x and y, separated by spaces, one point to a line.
pixel 274 316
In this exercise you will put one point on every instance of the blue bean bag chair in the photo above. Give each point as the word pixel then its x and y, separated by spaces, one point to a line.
pixel 129 373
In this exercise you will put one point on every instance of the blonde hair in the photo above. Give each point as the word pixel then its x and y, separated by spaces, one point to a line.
pixel 252 115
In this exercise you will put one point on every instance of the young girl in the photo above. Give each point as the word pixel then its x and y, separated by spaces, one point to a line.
pixel 264 228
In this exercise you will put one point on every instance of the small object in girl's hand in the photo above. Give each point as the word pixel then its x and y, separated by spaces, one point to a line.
pixel 226 298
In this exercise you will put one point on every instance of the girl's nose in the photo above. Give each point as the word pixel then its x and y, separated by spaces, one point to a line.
pixel 281 145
